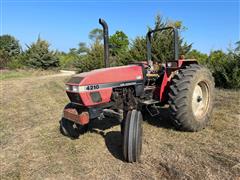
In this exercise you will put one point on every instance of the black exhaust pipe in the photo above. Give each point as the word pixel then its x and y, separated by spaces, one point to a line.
pixel 105 40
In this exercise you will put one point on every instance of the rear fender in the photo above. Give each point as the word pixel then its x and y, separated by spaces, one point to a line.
pixel 168 74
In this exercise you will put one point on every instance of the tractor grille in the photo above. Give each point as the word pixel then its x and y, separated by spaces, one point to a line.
pixel 74 97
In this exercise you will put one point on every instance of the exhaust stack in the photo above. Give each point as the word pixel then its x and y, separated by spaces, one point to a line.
pixel 105 40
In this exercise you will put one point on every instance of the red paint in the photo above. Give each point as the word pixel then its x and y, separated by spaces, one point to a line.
pixel 72 115
pixel 105 95
pixel 180 62
pixel 164 86
pixel 106 75
pixel 84 118
pixel 112 74
pixel 167 77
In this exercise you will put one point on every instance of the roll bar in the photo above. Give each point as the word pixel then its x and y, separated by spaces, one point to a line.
pixel 175 43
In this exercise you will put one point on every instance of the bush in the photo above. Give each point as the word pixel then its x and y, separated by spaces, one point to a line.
pixel 92 60
pixel 38 55
pixel 9 49
pixel 67 61
pixel 4 59
pixel 225 68
pixel 83 64
pixel 195 54
pixel 17 62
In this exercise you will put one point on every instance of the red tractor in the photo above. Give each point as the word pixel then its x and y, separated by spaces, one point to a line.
pixel 125 92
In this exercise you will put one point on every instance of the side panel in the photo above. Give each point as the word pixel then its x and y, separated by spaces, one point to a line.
pixel 164 86
pixel 113 74
pixel 104 93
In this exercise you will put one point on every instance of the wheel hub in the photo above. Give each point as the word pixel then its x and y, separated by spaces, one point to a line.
pixel 200 100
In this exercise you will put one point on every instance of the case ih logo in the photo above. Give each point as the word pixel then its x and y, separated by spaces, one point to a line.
pixel 128 84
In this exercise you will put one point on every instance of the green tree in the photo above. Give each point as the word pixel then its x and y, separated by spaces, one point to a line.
pixel 67 60
pixel 138 50
pixel 237 49
pixel 38 55
pixel 119 51
pixel 96 35
pixel 73 51
pixel 92 57
pixel 119 42
pixel 9 49
pixel 195 54
pixel 4 58
pixel 215 58
pixel 82 48
pixel 95 56
pixel 162 42
pixel 92 60
pixel 225 68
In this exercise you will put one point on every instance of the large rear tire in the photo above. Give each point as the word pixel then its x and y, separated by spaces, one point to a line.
pixel 132 140
pixel 191 98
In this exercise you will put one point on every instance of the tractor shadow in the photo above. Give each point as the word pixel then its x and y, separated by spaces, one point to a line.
pixel 162 120
pixel 113 139
pixel 103 124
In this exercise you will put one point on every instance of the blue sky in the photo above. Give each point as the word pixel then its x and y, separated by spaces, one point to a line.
pixel 210 24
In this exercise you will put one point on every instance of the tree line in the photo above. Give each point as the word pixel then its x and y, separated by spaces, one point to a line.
pixel 225 66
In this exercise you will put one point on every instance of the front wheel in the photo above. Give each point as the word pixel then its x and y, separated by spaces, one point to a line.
pixel 191 98
pixel 132 136
pixel 71 129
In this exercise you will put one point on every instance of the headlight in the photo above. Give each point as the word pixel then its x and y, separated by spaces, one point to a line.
pixel 75 88
pixel 72 88
pixel 68 88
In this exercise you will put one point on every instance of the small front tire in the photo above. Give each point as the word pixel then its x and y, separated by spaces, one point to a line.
pixel 132 136
pixel 71 129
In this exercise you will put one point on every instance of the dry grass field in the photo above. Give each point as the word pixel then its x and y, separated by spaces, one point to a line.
pixel 33 148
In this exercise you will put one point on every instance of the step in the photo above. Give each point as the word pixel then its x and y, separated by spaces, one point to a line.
pixel 151 101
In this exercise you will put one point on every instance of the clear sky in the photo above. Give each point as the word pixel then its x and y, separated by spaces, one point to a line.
pixel 212 24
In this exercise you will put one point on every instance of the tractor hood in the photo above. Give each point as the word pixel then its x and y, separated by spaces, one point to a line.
pixel 108 75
